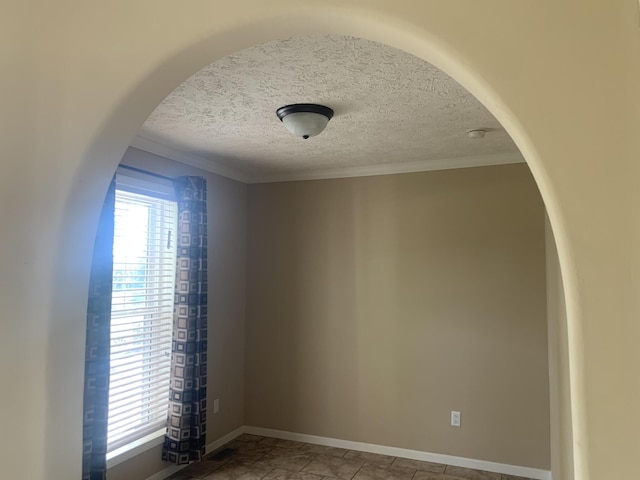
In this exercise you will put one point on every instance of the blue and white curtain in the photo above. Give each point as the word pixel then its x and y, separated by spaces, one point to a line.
pixel 97 351
pixel 185 439
pixel 186 430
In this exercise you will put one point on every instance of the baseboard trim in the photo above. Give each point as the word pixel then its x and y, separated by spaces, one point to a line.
pixel 171 469
pixel 535 473
pixel 225 439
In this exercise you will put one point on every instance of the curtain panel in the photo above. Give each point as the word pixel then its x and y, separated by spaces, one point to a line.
pixel 185 439
pixel 97 347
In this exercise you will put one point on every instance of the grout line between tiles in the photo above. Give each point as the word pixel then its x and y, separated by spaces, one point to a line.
pixel 356 472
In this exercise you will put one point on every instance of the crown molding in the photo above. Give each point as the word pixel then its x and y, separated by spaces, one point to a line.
pixel 394 168
pixel 342 172
pixel 212 166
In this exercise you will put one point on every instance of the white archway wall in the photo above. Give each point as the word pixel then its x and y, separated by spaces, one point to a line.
pixel 82 78
pixel 561 434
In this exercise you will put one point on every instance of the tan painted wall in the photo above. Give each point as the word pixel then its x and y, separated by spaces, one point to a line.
pixel 377 305
pixel 227 215
pixel 560 400
pixel 79 78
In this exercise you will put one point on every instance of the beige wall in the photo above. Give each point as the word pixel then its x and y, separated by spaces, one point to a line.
pixel 377 305
pixel 79 78
pixel 227 215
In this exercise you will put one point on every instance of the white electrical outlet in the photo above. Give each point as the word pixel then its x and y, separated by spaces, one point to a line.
pixel 216 405
pixel 455 418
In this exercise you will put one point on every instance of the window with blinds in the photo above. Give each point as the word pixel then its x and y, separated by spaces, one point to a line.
pixel 144 258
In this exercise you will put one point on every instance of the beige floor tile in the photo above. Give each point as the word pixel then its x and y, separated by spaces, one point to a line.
pixel 280 443
pixel 471 474
pixel 373 472
pixel 250 456
pixel 424 475
pixel 248 451
pixel 181 475
pixel 239 471
pixel 336 467
pixel 321 449
pixel 253 457
pixel 214 464
pixel 203 469
pixel 248 437
pixel 419 465
pixel 282 474
pixel 288 459
pixel 370 458
pixel 240 445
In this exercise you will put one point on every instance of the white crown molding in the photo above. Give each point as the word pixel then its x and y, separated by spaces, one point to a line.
pixel 502 468
pixel 212 166
pixel 342 172
pixel 394 168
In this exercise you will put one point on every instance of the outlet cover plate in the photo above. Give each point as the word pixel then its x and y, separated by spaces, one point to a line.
pixel 455 418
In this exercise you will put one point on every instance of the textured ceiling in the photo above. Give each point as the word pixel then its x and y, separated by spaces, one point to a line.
pixel 391 108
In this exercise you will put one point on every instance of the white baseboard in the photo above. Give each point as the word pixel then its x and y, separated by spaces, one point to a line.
pixel 528 472
pixel 171 469
pixel 535 473
pixel 225 439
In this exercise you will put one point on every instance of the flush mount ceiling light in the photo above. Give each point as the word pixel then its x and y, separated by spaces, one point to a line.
pixel 305 119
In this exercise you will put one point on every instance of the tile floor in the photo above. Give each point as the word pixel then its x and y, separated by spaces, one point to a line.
pixel 251 457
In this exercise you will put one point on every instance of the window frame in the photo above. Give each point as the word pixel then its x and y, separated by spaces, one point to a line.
pixel 161 189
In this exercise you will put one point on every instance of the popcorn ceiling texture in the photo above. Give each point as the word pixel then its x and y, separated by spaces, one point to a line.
pixel 390 107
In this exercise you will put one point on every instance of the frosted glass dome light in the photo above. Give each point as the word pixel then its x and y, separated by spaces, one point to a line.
pixel 305 119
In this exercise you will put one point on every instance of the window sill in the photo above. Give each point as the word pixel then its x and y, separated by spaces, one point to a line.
pixel 132 449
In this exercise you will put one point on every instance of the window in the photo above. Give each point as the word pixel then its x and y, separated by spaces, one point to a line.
pixel 144 258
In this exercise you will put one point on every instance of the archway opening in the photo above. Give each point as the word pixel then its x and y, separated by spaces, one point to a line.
pixel 106 151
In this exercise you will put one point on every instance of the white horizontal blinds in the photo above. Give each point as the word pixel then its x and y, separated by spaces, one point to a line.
pixel 144 258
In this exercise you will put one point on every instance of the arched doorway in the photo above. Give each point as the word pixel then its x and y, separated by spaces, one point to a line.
pixel 108 144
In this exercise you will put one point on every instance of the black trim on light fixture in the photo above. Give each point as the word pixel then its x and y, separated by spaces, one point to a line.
pixel 304 107
pixel 300 126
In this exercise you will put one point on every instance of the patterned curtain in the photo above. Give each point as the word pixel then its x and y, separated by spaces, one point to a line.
pixel 96 370
pixel 186 427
